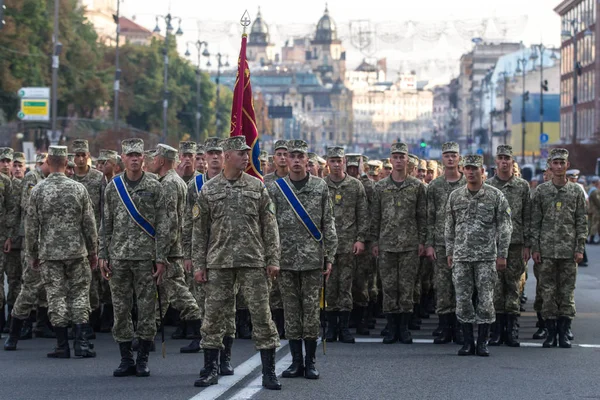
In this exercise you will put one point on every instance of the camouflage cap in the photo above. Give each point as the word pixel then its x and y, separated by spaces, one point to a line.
pixel 187 147
pixel 335 151
pixel 559 154
pixel 80 146
pixel 40 157
pixel 200 148
pixel 71 160
pixel 6 153
pixel 270 159
pixel 213 144
pixel 166 151
pixel 373 167
pixel 57 151
pixel 281 144
pixel 474 160
pixel 106 155
pixel 19 157
pixel 386 163
pixel 422 165
pixel 432 165
pixel 412 159
pixel 312 157
pixel 235 143
pixel 365 159
pixel 504 150
pixel 321 161
pixel 133 145
pixel 353 160
pixel 264 156
pixel 399 147
pixel 297 146
pixel 450 147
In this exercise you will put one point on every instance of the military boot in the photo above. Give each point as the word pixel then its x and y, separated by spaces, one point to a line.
pixel 310 371
pixel 457 331
pixel 541 333
pixel 107 318
pixel 344 334
pixel 42 325
pixel 27 329
pixel 180 331
pixel 269 377
pixel 332 326
pixel 438 330
pixel 127 366
pixel 372 320
pixel 551 337
pixel 498 328
pixel 62 344
pixel 14 333
pixel 570 335
pixel 423 314
pixel 297 368
pixel 563 326
pixel 363 325
pixel 482 340
pixel 446 334
pixel 468 348
pixel 209 375
pixel 414 323
pixel 8 320
pixel 512 331
pixel 243 324
pixel 194 346
pixel 279 319
pixel 81 346
pixel 403 333
pixel 141 363
pixel 225 367
pixel 392 327
pixel 89 333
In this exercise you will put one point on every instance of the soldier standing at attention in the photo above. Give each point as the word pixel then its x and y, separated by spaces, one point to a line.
pixel 187 157
pixel 61 240
pixel 8 216
pixel 134 243
pixel 387 168
pixel 200 161
pixel 236 243
pixel 399 210
pixel 478 231
pixel 506 293
pixel 308 239
pixel 352 224
pixel 559 231
pixel 280 160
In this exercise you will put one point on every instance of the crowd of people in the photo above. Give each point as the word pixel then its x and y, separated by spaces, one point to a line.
pixel 111 245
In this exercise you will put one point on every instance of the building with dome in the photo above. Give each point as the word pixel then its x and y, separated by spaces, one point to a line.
pixel 259 48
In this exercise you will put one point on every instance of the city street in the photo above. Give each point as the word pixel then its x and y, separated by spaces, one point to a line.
pixel 367 369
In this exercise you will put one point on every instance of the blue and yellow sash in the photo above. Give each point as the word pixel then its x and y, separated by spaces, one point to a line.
pixel 299 209
pixel 131 209
pixel 200 181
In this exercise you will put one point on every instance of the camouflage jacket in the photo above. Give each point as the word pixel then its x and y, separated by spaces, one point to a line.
pixel 174 192
pixel 18 231
pixel 7 209
pixel 122 238
pixel 399 215
pixel 558 220
pixel 517 193
pixel 93 183
pixel 350 210
pixel 478 227
pixel 438 192
pixel 594 203
pixel 60 223
pixel 234 225
pixel 271 178
pixel 368 185
pixel 188 179
pixel 299 250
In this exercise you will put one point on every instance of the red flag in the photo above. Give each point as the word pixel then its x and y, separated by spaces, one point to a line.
pixel 243 119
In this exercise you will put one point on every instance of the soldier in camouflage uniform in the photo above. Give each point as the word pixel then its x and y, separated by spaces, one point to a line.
pixel 302 257
pixel 413 163
pixel 349 201
pixel 558 231
pixel 432 171
pixel 437 196
pixel 427 271
pixel 61 240
pixel 398 211
pixel 422 170
pixel 200 158
pixel 236 243
pixel 148 161
pixel 9 216
pixel 478 231
pixel 506 293
pixel 373 168
pixel 70 171
pixel 263 158
pixel 130 254
pixel 386 169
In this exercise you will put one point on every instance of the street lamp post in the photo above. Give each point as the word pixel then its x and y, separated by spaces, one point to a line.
pixel 543 83
pixel 522 68
pixel 219 65
pixel 55 64
pixel 504 76
pixel 198 44
pixel 117 68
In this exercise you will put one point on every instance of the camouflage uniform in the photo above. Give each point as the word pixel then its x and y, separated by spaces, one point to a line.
pixel 14 269
pixel 365 285
pixel 8 216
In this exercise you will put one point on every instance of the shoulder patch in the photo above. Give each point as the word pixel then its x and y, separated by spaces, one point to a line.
pixel 196 211
pixel 271 208
pixel 509 212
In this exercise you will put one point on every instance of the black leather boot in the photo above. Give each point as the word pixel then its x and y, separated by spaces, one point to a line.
pixel 563 326
pixel 14 333
pixel 297 368
pixel 468 348
pixel 512 331
pixel 403 333
pixel 414 323
pixel 363 324
pixel 62 344
pixel 141 367
pixel 194 346
pixel 457 331
pixel 127 366
pixel 482 340
pixel 392 327
pixel 279 319
pixel 371 315
pixel 81 346
pixel 243 324
pixel 269 377
pixel 27 329
pixel 541 333
pixel 310 371
pixel 551 337
pixel 570 335
pixel 225 367
pixel 498 328
pixel 42 325
pixel 7 326
pixel 446 334
pixel 209 375
pixel 344 334
pixel 438 330
pixel 180 331
pixel 107 318
pixel 332 326
pixel 423 307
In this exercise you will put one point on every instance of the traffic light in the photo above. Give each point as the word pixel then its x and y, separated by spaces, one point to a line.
pixel 423 143
pixel 2 10
pixel 545 85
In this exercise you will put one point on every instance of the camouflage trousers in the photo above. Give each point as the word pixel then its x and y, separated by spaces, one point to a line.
pixel 240 300
pixel 275 300
pixel 360 280
pixel 67 284
pixel 301 293
pixel 105 295
pixel 175 291
pixel 131 277
pixel 426 275
pixel 196 289
pixel 220 306
pixel 594 223
pixel 339 285
pixel 398 271
pixel 469 276
pixel 14 273
pixel 557 280
pixel 32 291
pixel 2 269
pixel 442 281
pixel 507 291
pixel 537 303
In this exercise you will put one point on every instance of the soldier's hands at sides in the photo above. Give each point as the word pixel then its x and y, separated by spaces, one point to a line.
pixel 578 257
pixel 201 276
pixel 421 250
pixel 500 264
pixel 327 271
pixel 430 253
pixel 35 264
pixel 159 273
pixel 375 251
pixel 537 257
pixel 450 261
pixel 526 254
pixel 187 264
pixel 358 248
pixel 93 259
pixel 105 269
pixel 272 271
pixel 7 245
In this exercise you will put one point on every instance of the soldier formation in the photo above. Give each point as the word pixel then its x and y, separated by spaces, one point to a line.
pixel 111 248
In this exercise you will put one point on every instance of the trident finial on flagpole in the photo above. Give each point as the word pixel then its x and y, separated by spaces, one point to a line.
pixel 245 21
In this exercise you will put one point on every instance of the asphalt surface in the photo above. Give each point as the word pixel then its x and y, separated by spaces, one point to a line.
pixel 367 369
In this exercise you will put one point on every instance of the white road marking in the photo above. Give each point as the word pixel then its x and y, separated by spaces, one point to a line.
pixel 256 385
pixel 523 344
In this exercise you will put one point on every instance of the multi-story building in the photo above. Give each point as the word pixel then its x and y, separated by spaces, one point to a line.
pixel 100 14
pixel 260 49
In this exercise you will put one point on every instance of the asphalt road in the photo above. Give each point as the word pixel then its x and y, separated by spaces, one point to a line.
pixel 367 369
